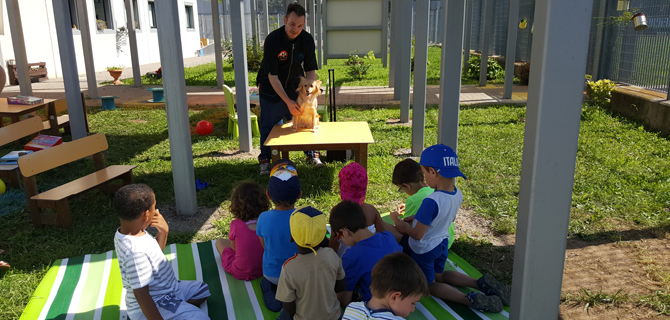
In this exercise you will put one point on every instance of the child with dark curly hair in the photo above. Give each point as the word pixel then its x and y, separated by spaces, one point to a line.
pixel 242 254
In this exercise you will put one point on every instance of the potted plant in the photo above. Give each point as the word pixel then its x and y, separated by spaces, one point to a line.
pixel 115 72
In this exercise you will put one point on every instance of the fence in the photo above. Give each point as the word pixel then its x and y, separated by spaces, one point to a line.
pixel 616 50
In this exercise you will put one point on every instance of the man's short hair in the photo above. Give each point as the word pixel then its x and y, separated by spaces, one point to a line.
pixel 132 200
pixel 398 272
pixel 407 171
pixel 297 8
pixel 347 214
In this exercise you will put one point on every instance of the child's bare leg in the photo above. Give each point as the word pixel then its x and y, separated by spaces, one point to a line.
pixel 197 302
pixel 456 278
pixel 447 292
pixel 222 244
pixel 392 229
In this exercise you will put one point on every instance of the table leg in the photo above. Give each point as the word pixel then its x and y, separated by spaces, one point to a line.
pixel 362 155
pixel 15 118
pixel 275 154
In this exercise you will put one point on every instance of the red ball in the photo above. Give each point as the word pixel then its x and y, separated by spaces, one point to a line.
pixel 204 128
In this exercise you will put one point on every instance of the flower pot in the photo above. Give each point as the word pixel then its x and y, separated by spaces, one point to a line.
pixel 523 24
pixel 115 74
pixel 640 21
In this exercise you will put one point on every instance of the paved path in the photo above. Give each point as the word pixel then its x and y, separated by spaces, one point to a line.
pixel 211 96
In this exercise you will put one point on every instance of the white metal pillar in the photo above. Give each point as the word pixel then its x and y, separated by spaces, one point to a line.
pixel 176 106
pixel 309 8
pixel 226 10
pixel 405 59
pixel 450 73
pixel 385 32
pixel 510 55
pixel 84 28
pixel 468 33
pixel 549 154
pixel 69 65
pixel 20 57
pixel 420 76
pixel 218 52
pixel 254 26
pixel 241 76
pixel 266 18
pixel 319 34
pixel 132 37
pixel 487 25
pixel 393 53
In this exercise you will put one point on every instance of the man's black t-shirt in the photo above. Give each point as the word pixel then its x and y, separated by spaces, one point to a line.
pixel 286 59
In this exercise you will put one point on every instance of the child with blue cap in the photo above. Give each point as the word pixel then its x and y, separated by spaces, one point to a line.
pixel 426 236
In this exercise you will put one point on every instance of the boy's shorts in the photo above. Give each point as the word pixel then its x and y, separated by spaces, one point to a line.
pixel 175 305
pixel 430 262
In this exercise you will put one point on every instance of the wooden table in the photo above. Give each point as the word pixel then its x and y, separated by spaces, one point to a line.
pixel 330 136
pixel 15 111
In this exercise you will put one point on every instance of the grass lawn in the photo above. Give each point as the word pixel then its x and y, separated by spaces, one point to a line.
pixel 205 74
pixel 622 180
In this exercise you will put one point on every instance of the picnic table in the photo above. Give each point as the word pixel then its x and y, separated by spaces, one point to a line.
pixel 15 111
pixel 330 136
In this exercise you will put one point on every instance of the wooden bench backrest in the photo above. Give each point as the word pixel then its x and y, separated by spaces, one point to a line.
pixel 44 160
pixel 16 131
pixel 60 106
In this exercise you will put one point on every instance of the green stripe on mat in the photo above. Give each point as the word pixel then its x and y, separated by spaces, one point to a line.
pixel 241 302
pixel 66 290
pixel 435 309
pixel 41 294
pixel 216 304
pixel 267 314
pixel 91 290
pixel 471 271
pixel 185 262
pixel 111 308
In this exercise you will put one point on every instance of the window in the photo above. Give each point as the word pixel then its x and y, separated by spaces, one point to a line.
pixel 103 14
pixel 73 14
pixel 152 14
pixel 136 15
pixel 189 17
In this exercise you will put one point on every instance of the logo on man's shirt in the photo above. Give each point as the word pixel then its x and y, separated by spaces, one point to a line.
pixel 282 56
pixel 301 56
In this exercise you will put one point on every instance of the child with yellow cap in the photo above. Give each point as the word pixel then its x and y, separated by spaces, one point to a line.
pixel 307 279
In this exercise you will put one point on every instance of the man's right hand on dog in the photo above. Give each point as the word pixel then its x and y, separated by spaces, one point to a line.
pixel 294 108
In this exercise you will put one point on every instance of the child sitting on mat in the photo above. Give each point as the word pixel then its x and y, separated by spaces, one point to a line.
pixel 152 290
pixel 353 186
pixel 310 280
pixel 274 229
pixel 408 177
pixel 397 285
pixel 347 222
pixel 427 237
pixel 242 253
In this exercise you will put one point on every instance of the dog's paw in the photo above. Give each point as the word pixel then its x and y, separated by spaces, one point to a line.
pixel 314 130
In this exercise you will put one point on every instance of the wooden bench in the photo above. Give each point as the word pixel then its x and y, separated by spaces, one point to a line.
pixel 56 120
pixel 12 133
pixel 57 198
pixel 37 72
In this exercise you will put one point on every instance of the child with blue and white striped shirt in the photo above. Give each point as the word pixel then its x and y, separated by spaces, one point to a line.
pixel 152 290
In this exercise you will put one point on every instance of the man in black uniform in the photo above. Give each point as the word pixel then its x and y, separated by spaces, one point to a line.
pixel 288 54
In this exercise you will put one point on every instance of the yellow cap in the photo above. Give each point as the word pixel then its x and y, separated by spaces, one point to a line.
pixel 308 227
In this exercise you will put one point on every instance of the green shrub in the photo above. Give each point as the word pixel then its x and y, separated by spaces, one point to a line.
pixel 600 91
pixel 493 69
pixel 357 66
pixel 253 61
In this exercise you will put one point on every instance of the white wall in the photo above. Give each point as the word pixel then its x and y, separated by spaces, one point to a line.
pixel 39 32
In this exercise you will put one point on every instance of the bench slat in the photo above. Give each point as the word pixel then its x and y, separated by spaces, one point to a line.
pixel 84 183
pixel 16 131
pixel 44 160
pixel 61 121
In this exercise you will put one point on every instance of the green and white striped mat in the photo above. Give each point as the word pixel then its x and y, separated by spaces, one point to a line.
pixel 89 287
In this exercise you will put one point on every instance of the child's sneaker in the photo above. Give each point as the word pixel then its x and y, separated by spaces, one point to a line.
pixel 264 167
pixel 485 303
pixel 490 286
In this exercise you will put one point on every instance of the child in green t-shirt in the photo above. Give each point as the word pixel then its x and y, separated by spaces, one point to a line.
pixel 408 177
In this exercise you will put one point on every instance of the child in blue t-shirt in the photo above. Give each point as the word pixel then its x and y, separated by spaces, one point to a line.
pixel 274 229
pixel 427 238
pixel 348 223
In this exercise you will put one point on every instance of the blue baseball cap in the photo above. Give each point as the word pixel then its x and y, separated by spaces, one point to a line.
pixel 284 184
pixel 443 159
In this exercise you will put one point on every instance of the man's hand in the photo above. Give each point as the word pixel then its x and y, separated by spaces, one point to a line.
pixel 294 108
pixel 159 223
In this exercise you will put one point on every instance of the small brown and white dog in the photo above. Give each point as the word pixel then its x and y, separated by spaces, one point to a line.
pixel 308 91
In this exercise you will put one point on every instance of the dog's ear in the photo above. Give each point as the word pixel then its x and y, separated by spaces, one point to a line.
pixel 302 79
pixel 317 83
pixel 301 88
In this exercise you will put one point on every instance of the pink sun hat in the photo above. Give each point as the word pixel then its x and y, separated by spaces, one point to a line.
pixel 353 182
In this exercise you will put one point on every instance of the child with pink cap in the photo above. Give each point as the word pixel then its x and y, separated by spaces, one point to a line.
pixel 353 186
